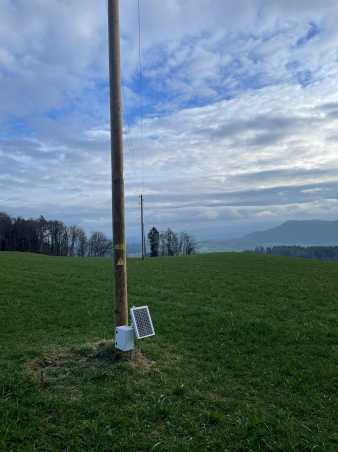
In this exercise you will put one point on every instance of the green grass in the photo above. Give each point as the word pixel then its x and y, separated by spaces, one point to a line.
pixel 246 355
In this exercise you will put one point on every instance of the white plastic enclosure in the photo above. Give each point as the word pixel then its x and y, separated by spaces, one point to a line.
pixel 124 338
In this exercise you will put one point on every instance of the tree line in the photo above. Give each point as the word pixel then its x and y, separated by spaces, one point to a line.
pixel 308 252
pixel 50 237
pixel 55 238
pixel 170 243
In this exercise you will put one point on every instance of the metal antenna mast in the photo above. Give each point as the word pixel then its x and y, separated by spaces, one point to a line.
pixel 116 127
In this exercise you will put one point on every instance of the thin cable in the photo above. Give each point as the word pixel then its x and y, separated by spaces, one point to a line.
pixel 141 110
pixel 141 85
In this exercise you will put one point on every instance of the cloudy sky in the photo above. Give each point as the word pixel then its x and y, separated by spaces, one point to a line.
pixel 233 127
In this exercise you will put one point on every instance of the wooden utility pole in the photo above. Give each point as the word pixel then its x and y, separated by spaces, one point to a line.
pixel 142 230
pixel 119 242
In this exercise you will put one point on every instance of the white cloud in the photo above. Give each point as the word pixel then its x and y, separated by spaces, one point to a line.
pixel 235 124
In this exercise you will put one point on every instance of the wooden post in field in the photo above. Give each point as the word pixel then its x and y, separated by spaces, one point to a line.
pixel 142 230
pixel 119 243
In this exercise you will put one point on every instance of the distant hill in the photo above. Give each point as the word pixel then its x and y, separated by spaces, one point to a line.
pixel 305 233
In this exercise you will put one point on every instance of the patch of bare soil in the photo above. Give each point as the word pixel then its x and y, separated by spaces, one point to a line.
pixel 70 368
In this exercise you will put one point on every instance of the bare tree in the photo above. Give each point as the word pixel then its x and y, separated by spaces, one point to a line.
pixel 64 242
pixel 169 243
pixel 43 233
pixel 172 243
pixel 98 244
pixel 188 244
pixel 59 238
pixel 163 248
pixel 72 237
pixel 82 243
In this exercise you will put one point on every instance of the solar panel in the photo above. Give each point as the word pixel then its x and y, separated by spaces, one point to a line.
pixel 142 323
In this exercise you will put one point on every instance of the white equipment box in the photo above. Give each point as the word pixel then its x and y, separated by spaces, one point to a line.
pixel 124 338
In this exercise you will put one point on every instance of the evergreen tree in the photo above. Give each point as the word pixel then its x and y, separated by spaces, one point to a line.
pixel 154 242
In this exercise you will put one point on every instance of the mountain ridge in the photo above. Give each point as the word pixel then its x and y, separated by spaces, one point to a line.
pixel 291 232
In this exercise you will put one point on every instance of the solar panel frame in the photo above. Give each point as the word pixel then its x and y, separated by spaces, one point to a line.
pixel 143 326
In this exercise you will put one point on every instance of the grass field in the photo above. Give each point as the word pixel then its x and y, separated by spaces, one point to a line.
pixel 245 356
